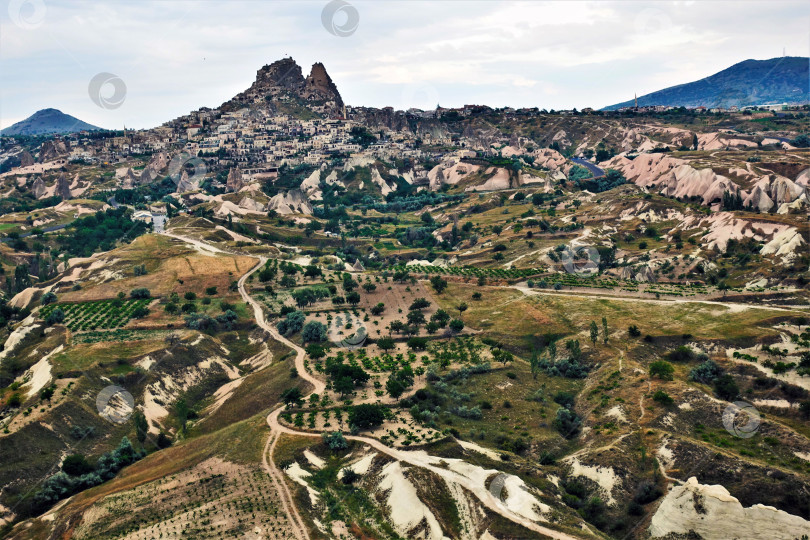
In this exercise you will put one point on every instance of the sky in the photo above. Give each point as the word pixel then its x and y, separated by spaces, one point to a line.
pixel 142 63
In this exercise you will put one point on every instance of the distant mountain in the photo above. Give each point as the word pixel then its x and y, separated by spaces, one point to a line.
pixel 48 121
pixel 752 82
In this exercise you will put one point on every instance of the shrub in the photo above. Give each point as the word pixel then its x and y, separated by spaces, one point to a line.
pixel 140 292
pixel 48 298
pixel 291 395
pixel 163 441
pixel 633 331
pixel 684 354
pixel 662 397
pixel 726 387
pixel 313 332
pixel 456 325
pixel 76 465
pixel 335 441
pixel 662 369
pixel 349 476
pixel 647 492
pixel 56 316
pixel 564 399
pixel 211 291
pixel 366 415
pixel 706 372
pixel 472 413
pixel 315 351
pixel 567 423
pixel 292 323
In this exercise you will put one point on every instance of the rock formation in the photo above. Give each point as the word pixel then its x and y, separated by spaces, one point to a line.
pixel 26 159
pixel 63 187
pixel 38 188
pixel 319 86
pixel 235 182
pixel 185 183
pixel 284 78
pixel 711 512
pixel 291 202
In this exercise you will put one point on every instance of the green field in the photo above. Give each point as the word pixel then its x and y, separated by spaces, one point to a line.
pixel 102 314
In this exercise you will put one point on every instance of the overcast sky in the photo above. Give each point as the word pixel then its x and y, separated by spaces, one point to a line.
pixel 176 56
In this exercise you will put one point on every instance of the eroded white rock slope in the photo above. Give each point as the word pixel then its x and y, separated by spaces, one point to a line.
pixel 711 512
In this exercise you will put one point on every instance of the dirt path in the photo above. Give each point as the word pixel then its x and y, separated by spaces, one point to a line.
pixel 641 401
pixel 625 297
pixel 420 459
pixel 299 528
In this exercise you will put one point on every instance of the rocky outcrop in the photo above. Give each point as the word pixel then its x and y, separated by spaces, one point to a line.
pixel 674 177
pixel 52 149
pixel 711 512
pixel 234 182
pixel 759 200
pixel 643 274
pixel 284 79
pixel 186 184
pixel 147 176
pixel 549 159
pixel 252 205
pixel 386 186
pixel 449 172
pixel 38 188
pixel 291 202
pixel 129 180
pixel 785 244
pixel 63 187
pixel 499 178
pixel 771 191
pixel 158 162
pixel 319 86
pixel 26 159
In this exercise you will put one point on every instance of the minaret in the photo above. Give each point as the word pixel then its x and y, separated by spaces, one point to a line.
pixel 636 98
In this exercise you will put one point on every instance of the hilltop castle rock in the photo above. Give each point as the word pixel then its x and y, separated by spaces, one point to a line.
pixel 284 79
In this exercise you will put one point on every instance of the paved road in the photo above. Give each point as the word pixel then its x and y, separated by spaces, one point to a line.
pixel 595 171
pixel 44 230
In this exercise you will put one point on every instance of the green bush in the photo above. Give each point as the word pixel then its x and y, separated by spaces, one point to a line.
pixel 366 415
pixel 140 292
pixel 662 370
pixel 662 397
pixel 726 387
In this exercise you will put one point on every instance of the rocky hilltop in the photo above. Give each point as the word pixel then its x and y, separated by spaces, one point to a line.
pixel 283 82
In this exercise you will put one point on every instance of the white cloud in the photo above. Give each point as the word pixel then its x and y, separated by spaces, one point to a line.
pixel 177 56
